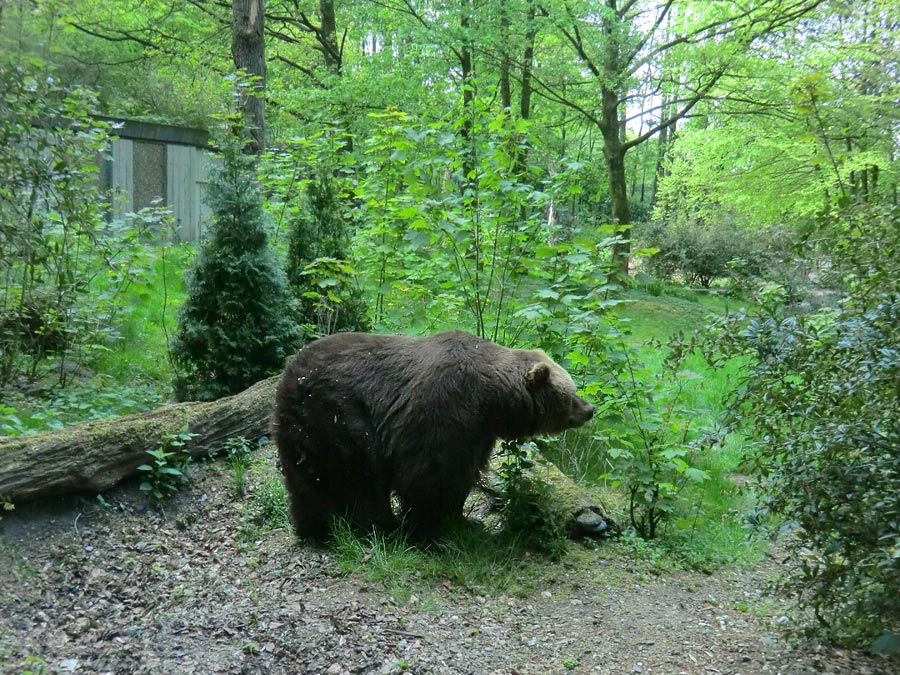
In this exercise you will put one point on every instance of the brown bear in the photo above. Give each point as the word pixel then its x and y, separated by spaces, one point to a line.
pixel 359 418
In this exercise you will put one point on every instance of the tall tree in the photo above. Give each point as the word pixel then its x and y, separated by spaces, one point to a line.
pixel 289 26
pixel 248 49
pixel 815 145
pixel 617 42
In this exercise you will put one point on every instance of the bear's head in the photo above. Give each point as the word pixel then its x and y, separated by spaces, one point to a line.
pixel 557 405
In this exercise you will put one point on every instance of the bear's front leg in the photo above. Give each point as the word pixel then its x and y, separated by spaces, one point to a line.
pixel 429 509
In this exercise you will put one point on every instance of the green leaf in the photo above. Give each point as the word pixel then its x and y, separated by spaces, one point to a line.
pixel 578 358
pixel 696 475
pixel 408 212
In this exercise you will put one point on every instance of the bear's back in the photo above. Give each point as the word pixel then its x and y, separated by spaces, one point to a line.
pixel 449 378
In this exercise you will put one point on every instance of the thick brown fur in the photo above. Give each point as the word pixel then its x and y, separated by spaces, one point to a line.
pixel 362 417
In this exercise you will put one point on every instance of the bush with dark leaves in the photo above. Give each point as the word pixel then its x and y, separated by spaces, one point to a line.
pixel 822 401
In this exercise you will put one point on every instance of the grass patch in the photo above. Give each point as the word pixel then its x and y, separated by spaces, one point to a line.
pixel 470 557
pixel 711 529
pixel 258 483
pixel 269 504
pixel 379 557
pixel 652 317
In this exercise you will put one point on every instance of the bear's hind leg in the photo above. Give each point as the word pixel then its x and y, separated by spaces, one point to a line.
pixel 310 512
pixel 367 505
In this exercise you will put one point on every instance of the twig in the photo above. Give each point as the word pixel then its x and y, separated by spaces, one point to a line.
pixel 403 633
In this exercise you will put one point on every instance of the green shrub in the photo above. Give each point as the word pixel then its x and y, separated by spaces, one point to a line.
pixel 308 183
pixel 236 326
pixel 526 502
pixel 322 279
pixel 821 400
pixel 657 437
pixel 170 467
pixel 237 450
pixel 65 269
pixel 701 252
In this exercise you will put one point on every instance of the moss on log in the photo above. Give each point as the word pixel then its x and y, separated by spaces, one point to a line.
pixel 581 511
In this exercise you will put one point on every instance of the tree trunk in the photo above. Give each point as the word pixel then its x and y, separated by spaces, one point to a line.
pixel 331 50
pixel 664 142
pixel 468 96
pixel 505 60
pixel 95 455
pixel 528 66
pixel 248 49
pixel 614 153
pixel 614 147
pixel 520 163
pixel 621 211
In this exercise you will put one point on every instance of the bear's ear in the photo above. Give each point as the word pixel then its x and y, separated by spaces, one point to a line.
pixel 538 375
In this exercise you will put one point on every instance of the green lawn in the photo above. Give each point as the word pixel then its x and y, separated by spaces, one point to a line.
pixel 656 317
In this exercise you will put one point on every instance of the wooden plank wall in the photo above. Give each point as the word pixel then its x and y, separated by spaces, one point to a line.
pixel 186 173
pixel 186 170
pixel 178 190
pixel 122 178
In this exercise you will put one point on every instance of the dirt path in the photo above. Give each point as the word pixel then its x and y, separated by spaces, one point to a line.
pixel 87 589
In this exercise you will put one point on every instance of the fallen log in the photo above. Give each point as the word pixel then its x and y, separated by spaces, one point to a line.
pixel 97 454
pixel 581 512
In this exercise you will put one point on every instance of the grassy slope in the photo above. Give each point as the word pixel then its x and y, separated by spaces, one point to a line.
pixel 131 375
pixel 710 530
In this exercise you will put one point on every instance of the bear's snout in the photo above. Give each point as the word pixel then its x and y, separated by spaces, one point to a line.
pixel 582 413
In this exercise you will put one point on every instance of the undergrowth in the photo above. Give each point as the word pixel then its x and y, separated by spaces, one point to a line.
pixel 707 530
pixel 705 527
pixel 142 352
pixel 132 377
pixel 97 398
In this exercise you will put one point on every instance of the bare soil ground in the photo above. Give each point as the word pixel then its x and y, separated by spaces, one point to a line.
pixel 132 589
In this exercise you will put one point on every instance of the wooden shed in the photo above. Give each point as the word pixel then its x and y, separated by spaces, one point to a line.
pixel 150 162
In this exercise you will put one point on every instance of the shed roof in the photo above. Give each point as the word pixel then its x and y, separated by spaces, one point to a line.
pixel 160 133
